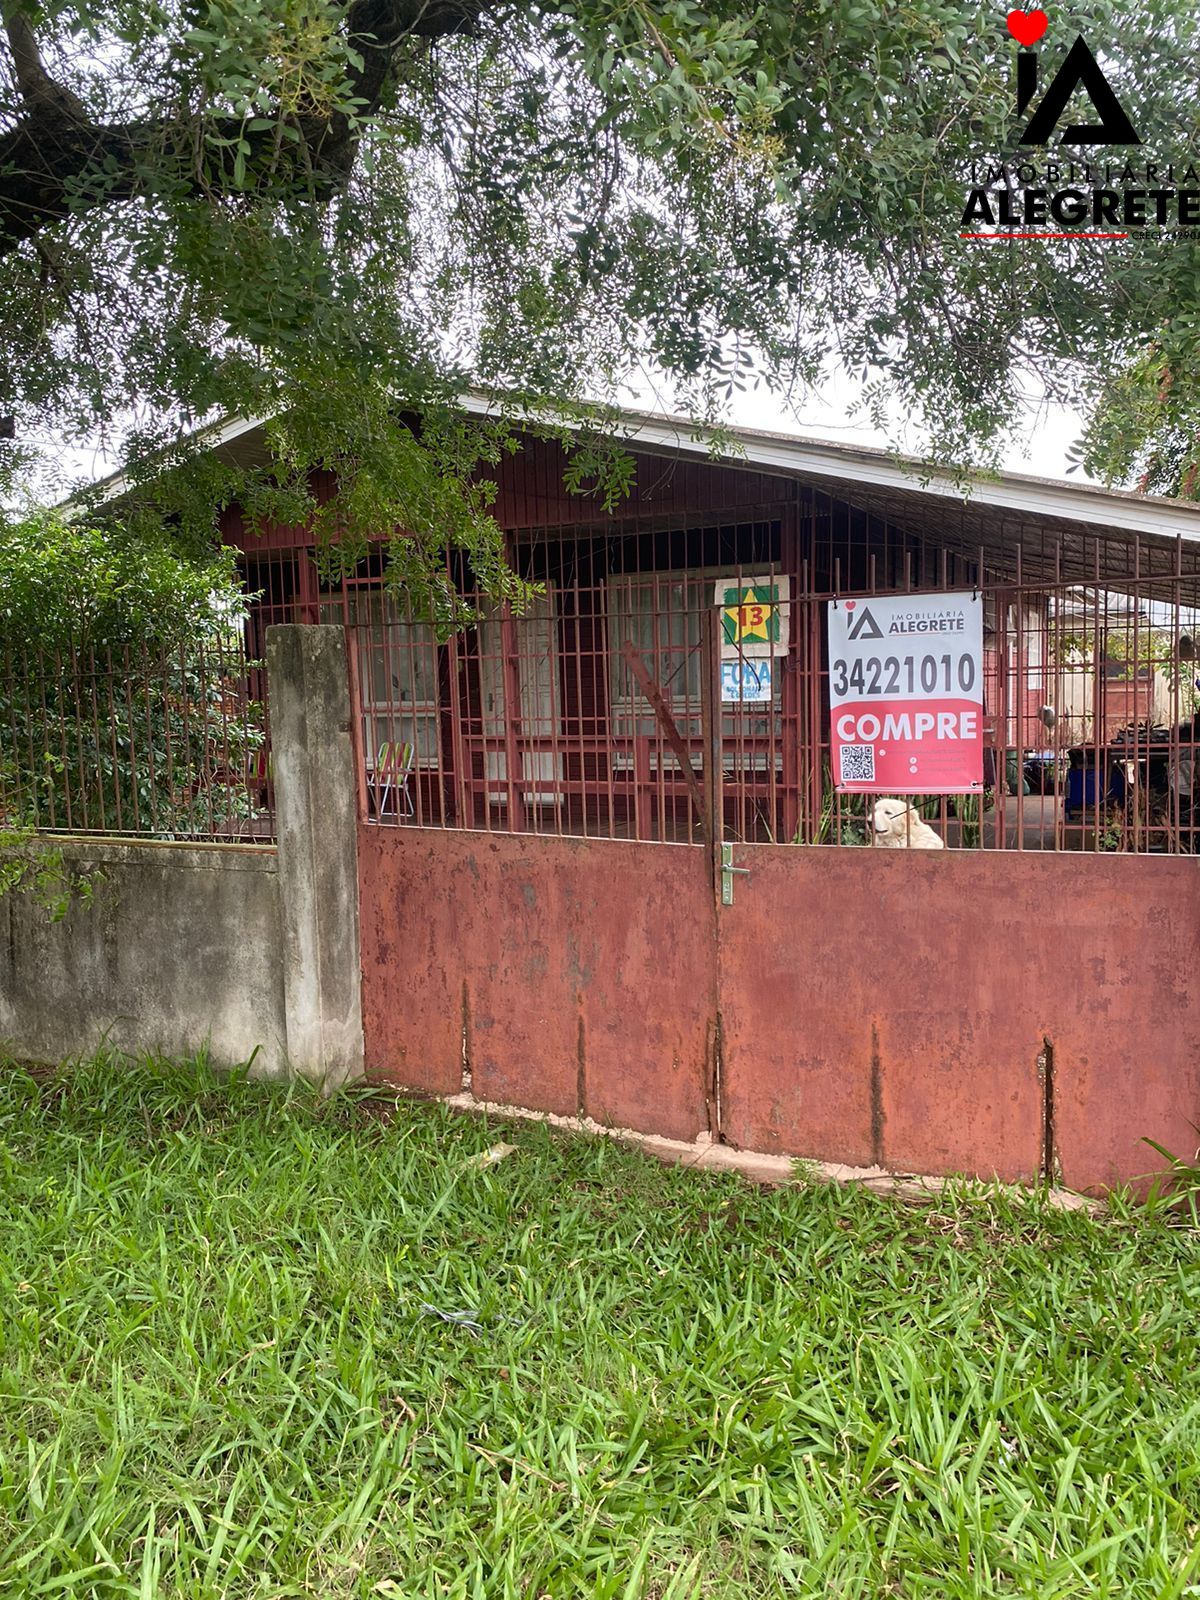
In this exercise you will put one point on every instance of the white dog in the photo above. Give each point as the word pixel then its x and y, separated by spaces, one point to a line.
pixel 898 827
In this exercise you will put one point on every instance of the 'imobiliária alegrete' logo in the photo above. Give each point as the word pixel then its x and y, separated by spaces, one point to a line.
pixel 1086 199
pixel 1080 70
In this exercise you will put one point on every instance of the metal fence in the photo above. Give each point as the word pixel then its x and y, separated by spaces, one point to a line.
pixel 602 710
pixel 169 744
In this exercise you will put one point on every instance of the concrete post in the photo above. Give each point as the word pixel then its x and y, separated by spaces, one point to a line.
pixel 315 803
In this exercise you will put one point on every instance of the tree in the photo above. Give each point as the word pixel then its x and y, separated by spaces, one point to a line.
pixel 336 213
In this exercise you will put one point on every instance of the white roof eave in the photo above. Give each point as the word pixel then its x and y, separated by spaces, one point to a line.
pixel 1020 495
pixel 1016 494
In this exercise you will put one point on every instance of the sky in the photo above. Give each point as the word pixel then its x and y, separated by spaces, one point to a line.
pixel 1041 449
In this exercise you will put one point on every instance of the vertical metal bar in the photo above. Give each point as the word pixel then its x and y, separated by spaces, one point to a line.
pixel 710 709
pixel 772 730
pixel 737 719
pixel 93 672
pixel 135 787
pixel 1100 701
pixel 81 754
pixel 385 706
pixel 356 721
pixel 245 798
pixel 189 759
pixel 478 720
pixel 400 638
pixel 643 787
pixel 61 711
pixel 163 676
pixel 308 597
pixel 206 690
pixel 511 673
pixel 558 765
pixel 790 667
pixel 660 625
pixel 1182 835
pixel 27 785
pixel 1022 682
pixel 604 662
pixel 454 667
pixel 1136 805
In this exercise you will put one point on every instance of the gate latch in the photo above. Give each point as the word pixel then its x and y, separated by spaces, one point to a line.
pixel 727 871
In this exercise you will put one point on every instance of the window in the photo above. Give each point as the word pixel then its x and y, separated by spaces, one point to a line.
pixel 662 615
pixel 398 674
pixel 539 713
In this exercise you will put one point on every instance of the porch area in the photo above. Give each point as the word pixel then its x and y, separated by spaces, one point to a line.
pixel 615 705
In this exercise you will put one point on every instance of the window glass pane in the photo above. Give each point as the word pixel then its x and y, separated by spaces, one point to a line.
pixel 663 617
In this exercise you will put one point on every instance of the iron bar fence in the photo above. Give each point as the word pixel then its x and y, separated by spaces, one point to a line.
pixel 587 714
pixel 615 706
pixel 169 743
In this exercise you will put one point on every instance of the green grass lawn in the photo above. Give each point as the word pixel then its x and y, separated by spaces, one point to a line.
pixel 224 1372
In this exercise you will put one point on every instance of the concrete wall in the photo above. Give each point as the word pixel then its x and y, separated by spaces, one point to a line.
pixel 317 824
pixel 237 948
pixel 180 948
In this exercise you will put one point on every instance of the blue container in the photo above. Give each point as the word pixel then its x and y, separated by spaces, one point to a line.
pixel 1081 789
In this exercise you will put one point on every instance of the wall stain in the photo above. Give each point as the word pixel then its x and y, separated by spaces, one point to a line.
pixel 877 1116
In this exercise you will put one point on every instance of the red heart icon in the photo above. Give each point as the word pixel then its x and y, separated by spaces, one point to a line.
pixel 1027 27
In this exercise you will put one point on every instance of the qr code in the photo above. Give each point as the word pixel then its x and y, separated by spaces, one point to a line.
pixel 858 763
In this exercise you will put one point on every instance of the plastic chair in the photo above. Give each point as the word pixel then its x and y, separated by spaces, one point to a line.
pixel 393 769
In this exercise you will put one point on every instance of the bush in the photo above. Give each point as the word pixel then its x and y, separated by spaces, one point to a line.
pixel 125 699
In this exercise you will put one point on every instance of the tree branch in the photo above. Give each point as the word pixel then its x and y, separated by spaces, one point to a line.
pixel 48 158
pixel 38 89
pixel 32 77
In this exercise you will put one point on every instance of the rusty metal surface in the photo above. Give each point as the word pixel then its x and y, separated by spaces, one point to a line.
pixel 409 938
pixel 944 1013
pixel 600 698
pixel 584 973
pixel 1123 937
pixel 896 1007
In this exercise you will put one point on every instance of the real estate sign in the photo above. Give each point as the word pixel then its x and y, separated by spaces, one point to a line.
pixel 906 693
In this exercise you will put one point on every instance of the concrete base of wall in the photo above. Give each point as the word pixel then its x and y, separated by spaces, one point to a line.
pixel 705 1154
pixel 180 950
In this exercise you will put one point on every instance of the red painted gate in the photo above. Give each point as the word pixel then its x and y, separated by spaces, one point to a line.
pixel 567 975
pixel 956 1012
pixel 987 1014
pixel 998 1012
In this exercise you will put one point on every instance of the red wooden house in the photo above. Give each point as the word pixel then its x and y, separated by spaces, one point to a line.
pixel 602 709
